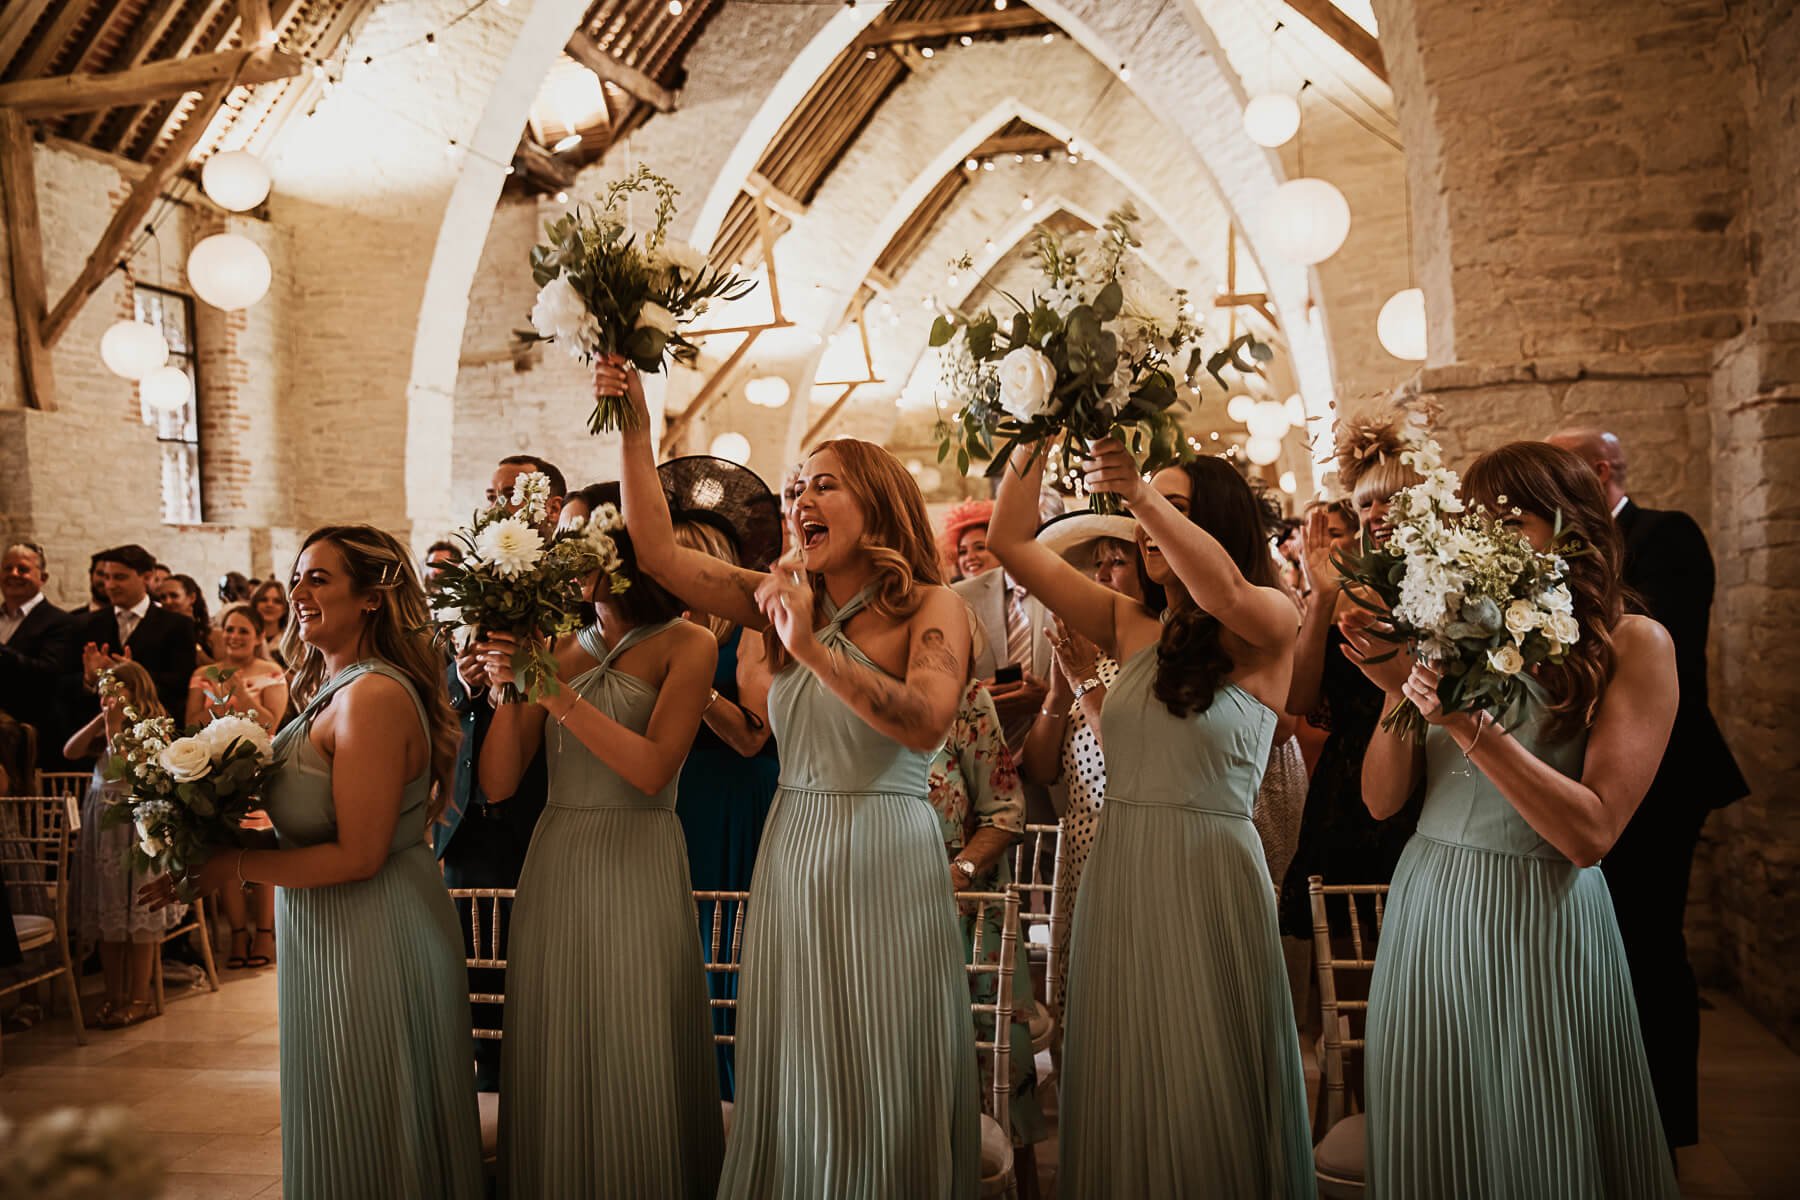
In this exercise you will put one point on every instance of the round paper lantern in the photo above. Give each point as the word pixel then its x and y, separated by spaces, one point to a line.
pixel 1262 450
pixel 1401 324
pixel 166 389
pixel 1310 220
pixel 1295 408
pixel 1272 118
pixel 1287 482
pixel 767 391
pixel 132 349
pixel 732 447
pixel 235 180
pixel 229 271
pixel 1268 420
pixel 1238 408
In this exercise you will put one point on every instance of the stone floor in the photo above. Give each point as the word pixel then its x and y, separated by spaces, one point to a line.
pixel 203 1078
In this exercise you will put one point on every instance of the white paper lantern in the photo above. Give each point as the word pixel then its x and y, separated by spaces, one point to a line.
pixel 1268 420
pixel 1401 324
pixel 767 391
pixel 1287 482
pixel 133 349
pixel 1262 450
pixel 1295 408
pixel 1309 221
pixel 229 271
pixel 236 180
pixel 733 447
pixel 1238 408
pixel 166 389
pixel 1272 118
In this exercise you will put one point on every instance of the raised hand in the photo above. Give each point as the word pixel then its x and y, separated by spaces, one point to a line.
pixel 495 653
pixel 785 598
pixel 1075 655
pixel 1315 552
pixel 1421 687
pixel 1359 627
pixel 615 376
pixel 1109 467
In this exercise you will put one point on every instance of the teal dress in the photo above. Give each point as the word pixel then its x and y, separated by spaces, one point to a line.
pixel 1181 1064
pixel 377 1062
pixel 856 1045
pixel 607 1083
pixel 1503 1050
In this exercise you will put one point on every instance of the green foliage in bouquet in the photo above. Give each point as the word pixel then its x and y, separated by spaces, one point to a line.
pixel 1091 356
pixel 603 292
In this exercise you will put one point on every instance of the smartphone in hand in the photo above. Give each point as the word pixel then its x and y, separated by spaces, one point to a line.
pixel 1010 673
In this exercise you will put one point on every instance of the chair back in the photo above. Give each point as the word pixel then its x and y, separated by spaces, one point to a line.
pixel 484 911
pixel 1345 1020
pixel 70 786
pixel 1037 867
pixel 996 1016
pixel 724 947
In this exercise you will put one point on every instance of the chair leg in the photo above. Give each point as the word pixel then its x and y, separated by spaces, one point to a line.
pixel 206 946
pixel 72 989
pixel 156 978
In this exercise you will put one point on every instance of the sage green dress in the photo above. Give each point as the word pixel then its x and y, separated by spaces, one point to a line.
pixel 608 1081
pixel 377 1062
pixel 1181 1063
pixel 1504 1057
pixel 856 1044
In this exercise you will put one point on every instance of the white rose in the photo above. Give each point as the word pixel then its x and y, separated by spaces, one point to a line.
pixel 686 259
pixel 1521 618
pixel 655 316
pixel 1026 381
pixel 1563 627
pixel 560 311
pixel 186 759
pixel 1558 599
pixel 1506 659
pixel 219 735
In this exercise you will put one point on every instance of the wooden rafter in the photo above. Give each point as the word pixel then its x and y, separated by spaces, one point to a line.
pixel 253 19
pixel 1358 42
pixel 1011 20
pixel 146 32
pixel 156 81
pixel 819 426
pixel 586 51
pixel 778 200
pixel 1034 142
pixel 16 20
pixel 61 26
pixel 25 252
pixel 195 37
pixel 541 167
pixel 711 390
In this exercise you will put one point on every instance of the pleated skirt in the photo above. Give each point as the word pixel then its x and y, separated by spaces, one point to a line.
pixel 1504 1058
pixel 856 1044
pixel 1181 1064
pixel 607 1078
pixel 377 1083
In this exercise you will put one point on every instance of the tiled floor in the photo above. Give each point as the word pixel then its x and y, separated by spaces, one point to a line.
pixel 203 1078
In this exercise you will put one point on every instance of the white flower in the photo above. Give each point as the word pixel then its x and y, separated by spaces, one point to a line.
pixel 510 546
pixel 1558 600
pixel 686 259
pixel 1522 617
pixel 222 732
pixel 1026 381
pixel 463 636
pixel 654 316
pixel 186 759
pixel 1506 659
pixel 1563 627
pixel 561 313
pixel 531 496
pixel 148 842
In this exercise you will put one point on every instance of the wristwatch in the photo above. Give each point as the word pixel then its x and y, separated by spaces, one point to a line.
pixel 1085 686
pixel 965 868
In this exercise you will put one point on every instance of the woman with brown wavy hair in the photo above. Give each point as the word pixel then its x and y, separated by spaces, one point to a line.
pixel 377 1082
pixel 855 1054
pixel 1181 1068
pixel 1503 1049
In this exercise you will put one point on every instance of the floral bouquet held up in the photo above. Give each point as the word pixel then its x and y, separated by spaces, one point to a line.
pixel 186 796
pixel 601 293
pixel 511 581
pixel 1094 355
pixel 1465 592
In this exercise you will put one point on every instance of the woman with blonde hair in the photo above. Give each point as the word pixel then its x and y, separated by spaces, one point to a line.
pixel 377 1076
pixel 852 923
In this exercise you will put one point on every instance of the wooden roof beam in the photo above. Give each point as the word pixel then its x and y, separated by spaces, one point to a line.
pixel 761 189
pixel 586 51
pixel 1036 142
pixel 1358 42
pixel 541 167
pixel 154 81
pixel 1011 20
pixel 25 251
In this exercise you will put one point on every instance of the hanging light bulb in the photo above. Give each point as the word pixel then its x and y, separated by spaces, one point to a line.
pixel 1309 221
pixel 1401 324
pixel 732 447
pixel 675 7
pixel 927 52
pixel 133 349
pixel 1262 451
pixel 166 389
pixel 229 271
pixel 1026 202
pixel 1272 119
pixel 1238 408
pixel 236 180
pixel 431 46
pixel 1124 73
pixel 567 142
pixel 767 391
pixel 562 197
pixel 1267 420
pixel 971 164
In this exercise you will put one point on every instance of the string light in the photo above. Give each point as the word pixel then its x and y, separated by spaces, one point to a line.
pixel 567 142
pixel 966 40
pixel 675 7
pixel 1124 73
pixel 1026 202
pixel 927 52
pixel 431 46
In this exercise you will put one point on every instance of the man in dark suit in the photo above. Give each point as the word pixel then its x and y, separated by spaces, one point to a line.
pixel 481 840
pixel 130 626
pixel 35 640
pixel 1669 566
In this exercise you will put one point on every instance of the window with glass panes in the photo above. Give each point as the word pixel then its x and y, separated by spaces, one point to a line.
pixel 177 431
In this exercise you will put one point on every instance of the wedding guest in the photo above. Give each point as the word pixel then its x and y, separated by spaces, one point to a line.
pixel 870 655
pixel 96 584
pixel 376 1095
pixel 1498 898
pixel 160 641
pixel 1015 660
pixel 1669 566
pixel 35 642
pixel 608 1080
pixel 181 595
pixel 1181 1068
pixel 269 604
pixel 154 579
pixel 127 930
pixel 234 588
pixel 437 555
pixel 964 542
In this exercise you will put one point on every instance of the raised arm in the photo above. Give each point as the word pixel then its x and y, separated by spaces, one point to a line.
pixel 1305 689
pixel 701 580
pixel 1085 606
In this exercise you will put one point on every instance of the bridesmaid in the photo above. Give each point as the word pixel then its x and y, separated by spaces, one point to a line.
pixel 607 1084
pixel 1504 1056
pixel 856 1053
pixel 1181 1065
pixel 377 1084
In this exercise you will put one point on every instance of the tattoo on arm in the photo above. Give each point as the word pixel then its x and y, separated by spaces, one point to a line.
pixel 933 654
pixel 888 699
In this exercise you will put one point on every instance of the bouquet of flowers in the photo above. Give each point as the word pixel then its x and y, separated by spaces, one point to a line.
pixel 1095 354
pixel 601 293
pixel 510 580
pixel 186 796
pixel 78 1154
pixel 1465 592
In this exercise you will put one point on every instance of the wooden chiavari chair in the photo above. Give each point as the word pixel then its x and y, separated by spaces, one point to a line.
pixel 999 1177
pixel 1339 1157
pixel 724 947
pixel 34 868
pixel 488 910
pixel 1037 869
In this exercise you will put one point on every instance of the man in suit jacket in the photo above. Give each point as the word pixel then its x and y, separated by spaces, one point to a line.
pixel 130 626
pixel 35 639
pixel 1669 566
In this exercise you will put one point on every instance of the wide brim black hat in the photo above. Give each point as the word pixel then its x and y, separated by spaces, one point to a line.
pixel 732 499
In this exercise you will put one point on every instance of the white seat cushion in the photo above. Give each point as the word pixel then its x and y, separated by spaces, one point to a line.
pixel 33 930
pixel 490 1124
pixel 1339 1158
pixel 996 1154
